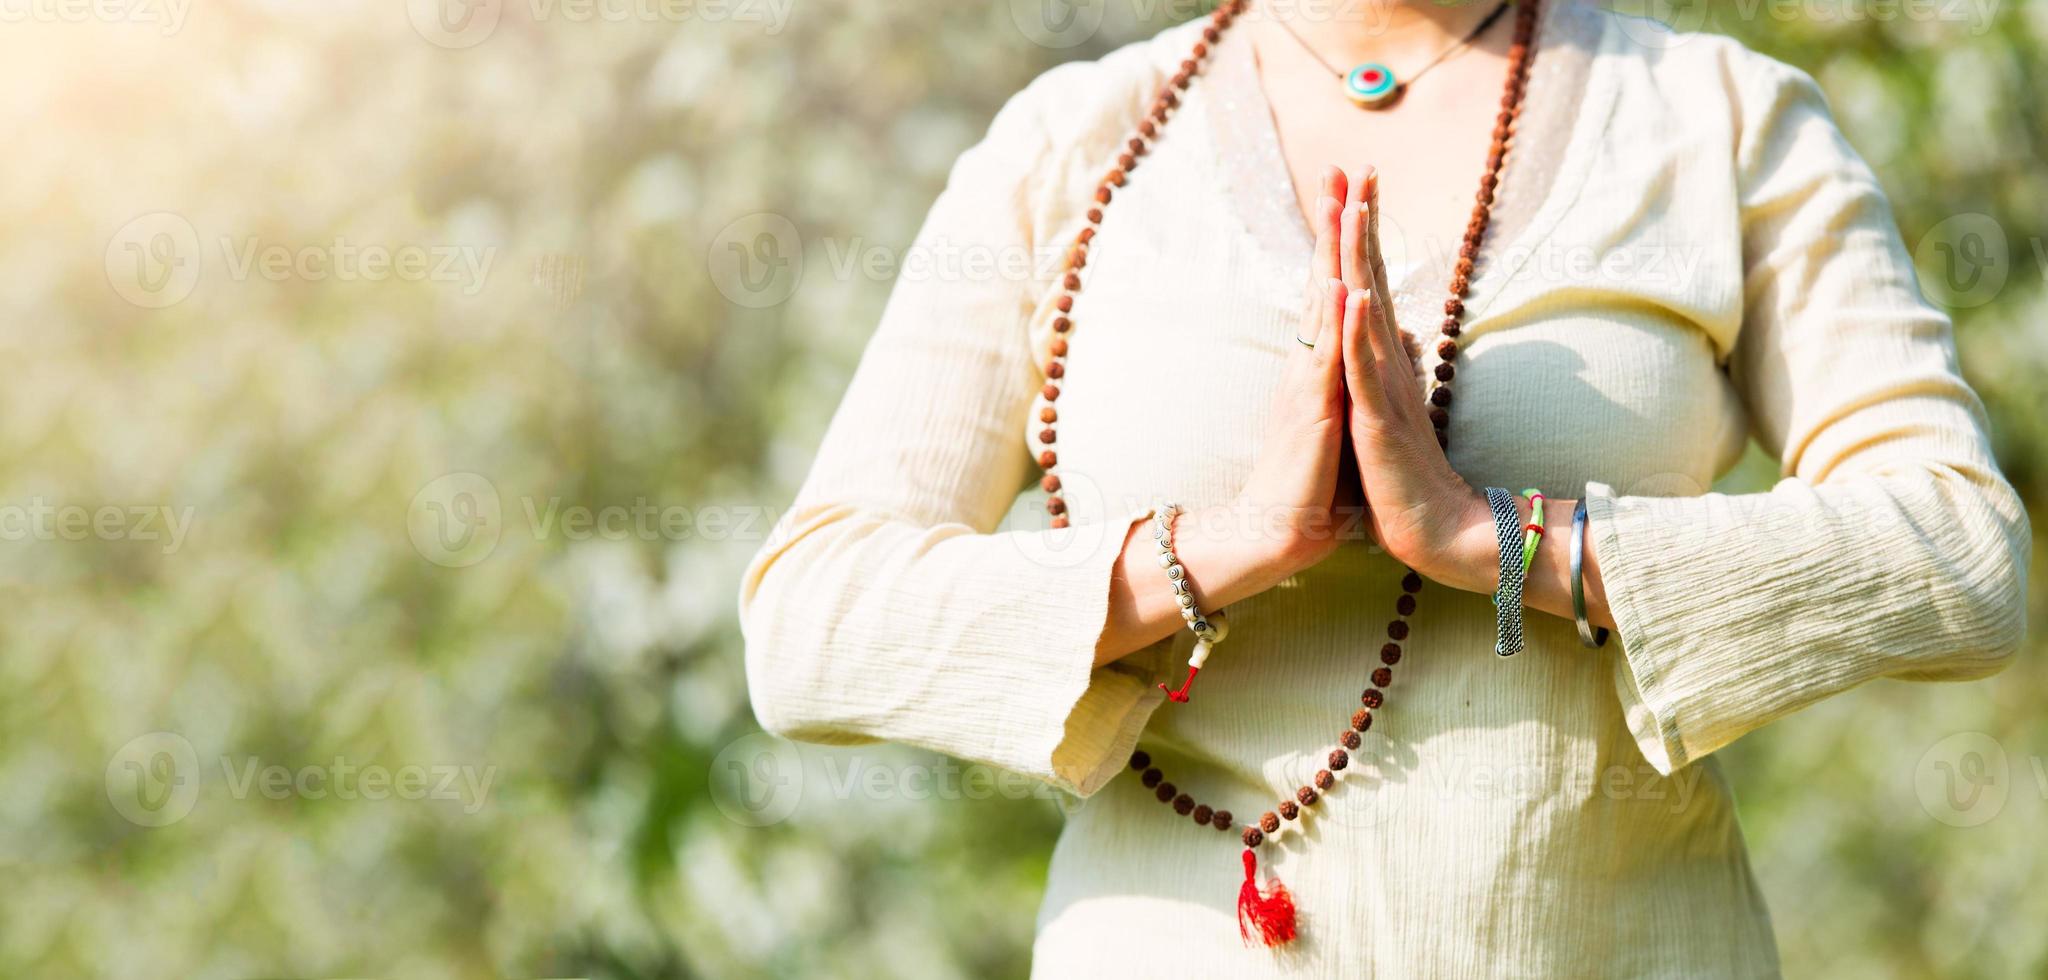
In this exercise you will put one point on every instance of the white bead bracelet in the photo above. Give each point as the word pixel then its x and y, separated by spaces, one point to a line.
pixel 1210 628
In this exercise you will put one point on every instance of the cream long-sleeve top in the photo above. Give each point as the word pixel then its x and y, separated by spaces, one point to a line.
pixel 1686 254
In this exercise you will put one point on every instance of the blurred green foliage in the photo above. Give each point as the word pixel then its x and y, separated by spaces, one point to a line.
pixel 323 613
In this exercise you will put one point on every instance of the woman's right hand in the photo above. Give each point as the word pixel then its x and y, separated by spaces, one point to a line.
pixel 1291 505
pixel 1299 502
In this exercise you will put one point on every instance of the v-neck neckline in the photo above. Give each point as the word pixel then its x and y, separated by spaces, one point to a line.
pixel 1565 111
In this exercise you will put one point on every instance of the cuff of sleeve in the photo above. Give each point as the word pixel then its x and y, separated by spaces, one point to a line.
pixel 1102 709
pixel 1648 707
pixel 1103 729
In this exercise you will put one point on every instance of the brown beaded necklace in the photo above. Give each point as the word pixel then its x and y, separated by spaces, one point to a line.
pixel 1270 912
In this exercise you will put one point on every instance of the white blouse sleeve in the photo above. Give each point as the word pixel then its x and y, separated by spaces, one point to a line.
pixel 1891 547
pixel 884 606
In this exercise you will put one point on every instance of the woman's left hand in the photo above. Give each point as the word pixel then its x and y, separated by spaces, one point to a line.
pixel 1421 511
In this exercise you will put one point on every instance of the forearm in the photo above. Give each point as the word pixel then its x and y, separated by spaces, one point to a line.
pixel 1475 562
pixel 1548 586
pixel 1228 560
pixel 1225 560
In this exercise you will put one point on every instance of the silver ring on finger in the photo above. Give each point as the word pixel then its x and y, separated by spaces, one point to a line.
pixel 1310 344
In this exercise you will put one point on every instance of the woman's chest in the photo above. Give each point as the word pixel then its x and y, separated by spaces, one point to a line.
pixel 1182 330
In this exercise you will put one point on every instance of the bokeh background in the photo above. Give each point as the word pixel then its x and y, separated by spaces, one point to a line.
pixel 395 391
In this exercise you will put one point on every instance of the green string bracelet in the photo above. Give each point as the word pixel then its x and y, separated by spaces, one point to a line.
pixel 1533 531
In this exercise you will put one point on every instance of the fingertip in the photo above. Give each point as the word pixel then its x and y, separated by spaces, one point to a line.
pixel 1356 190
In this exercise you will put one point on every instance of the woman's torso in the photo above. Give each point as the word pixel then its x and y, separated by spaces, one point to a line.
pixel 1497 818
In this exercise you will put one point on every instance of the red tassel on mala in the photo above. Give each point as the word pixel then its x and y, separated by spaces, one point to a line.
pixel 1269 914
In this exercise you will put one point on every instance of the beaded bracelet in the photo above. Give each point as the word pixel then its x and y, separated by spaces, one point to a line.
pixel 1209 629
pixel 1507 598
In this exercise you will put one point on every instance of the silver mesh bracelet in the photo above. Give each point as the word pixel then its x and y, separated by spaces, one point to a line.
pixel 1507 600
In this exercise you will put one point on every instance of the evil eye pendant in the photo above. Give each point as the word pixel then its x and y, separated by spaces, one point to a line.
pixel 1371 85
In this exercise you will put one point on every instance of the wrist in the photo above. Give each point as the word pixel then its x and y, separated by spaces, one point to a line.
pixel 1226 562
pixel 1471 561
pixel 1263 549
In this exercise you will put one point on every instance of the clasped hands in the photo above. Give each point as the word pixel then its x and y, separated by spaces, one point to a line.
pixel 1351 418
pixel 1350 430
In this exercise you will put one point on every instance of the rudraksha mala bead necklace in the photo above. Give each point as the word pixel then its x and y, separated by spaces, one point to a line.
pixel 1268 913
